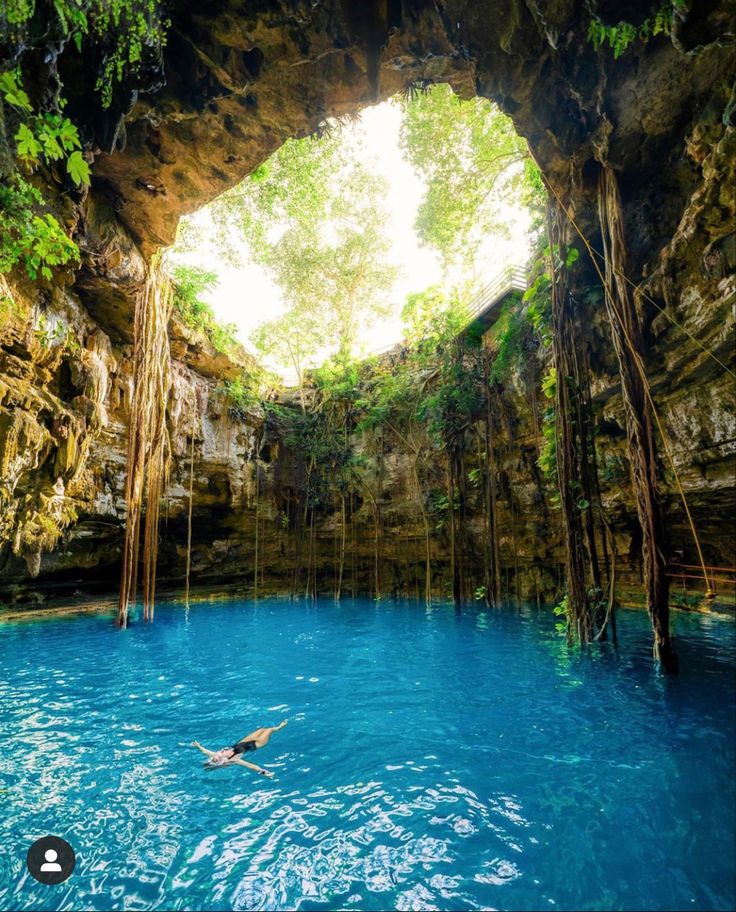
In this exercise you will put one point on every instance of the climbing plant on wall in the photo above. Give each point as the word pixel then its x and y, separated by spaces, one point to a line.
pixel 124 34
pixel 121 35
pixel 30 235
pixel 622 35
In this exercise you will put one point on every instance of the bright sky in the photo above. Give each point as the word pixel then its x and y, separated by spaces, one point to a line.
pixel 246 296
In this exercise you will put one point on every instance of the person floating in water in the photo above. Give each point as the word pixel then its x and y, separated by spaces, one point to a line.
pixel 251 742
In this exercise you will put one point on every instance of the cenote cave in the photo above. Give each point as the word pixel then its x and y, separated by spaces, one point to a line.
pixel 367 404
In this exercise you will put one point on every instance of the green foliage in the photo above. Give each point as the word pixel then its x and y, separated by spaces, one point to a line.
pixel 511 334
pixel 547 460
pixel 549 384
pixel 562 610
pixel 455 401
pixel 242 397
pixel 189 283
pixel 56 335
pixel 470 157
pixel 337 379
pixel 248 393
pixel 433 318
pixel 313 216
pixel 35 241
pixel 122 32
pixel 77 168
pixel 13 92
pixel 326 452
pixel 28 235
pixel 44 136
pixel 525 321
pixel 291 339
pixel 445 407
pixel 620 37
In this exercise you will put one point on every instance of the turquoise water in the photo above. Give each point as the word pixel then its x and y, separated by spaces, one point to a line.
pixel 433 760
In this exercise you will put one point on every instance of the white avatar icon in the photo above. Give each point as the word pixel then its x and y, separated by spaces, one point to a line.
pixel 51 864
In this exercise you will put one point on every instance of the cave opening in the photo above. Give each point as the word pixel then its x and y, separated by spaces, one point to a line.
pixel 322 252
pixel 423 213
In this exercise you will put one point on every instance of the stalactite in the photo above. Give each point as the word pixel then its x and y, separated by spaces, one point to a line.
pixel 149 450
pixel 627 342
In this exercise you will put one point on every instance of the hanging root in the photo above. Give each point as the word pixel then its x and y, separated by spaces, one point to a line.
pixel 568 447
pixel 191 502
pixel 149 448
pixel 639 411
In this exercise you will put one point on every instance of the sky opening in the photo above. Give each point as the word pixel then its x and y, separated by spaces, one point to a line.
pixel 246 296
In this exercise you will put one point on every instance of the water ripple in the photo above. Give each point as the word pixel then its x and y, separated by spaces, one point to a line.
pixel 431 762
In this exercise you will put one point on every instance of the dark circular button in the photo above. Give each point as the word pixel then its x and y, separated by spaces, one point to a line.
pixel 51 860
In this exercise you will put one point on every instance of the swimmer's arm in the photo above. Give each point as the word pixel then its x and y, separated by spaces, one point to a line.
pixel 253 766
pixel 203 749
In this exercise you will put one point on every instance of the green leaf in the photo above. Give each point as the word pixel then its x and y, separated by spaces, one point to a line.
pixel 51 148
pixel 13 93
pixel 28 146
pixel 68 135
pixel 78 169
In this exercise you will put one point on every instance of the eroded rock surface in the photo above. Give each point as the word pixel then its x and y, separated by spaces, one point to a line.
pixel 239 79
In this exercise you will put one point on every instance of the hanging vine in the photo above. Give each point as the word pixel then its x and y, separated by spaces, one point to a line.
pixel 573 445
pixel 149 446
pixel 191 503
pixel 627 342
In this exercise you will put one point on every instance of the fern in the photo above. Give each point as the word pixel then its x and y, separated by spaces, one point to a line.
pixel 622 36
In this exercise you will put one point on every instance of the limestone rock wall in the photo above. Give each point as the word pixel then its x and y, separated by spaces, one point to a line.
pixel 238 78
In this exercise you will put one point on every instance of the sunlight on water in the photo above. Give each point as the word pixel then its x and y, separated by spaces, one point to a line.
pixel 433 760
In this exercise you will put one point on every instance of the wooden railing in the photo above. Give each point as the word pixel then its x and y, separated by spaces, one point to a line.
pixel 682 573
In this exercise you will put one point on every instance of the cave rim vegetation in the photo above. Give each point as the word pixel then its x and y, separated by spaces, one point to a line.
pixel 539 470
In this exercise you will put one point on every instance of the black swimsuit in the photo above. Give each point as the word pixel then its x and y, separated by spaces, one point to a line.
pixel 242 747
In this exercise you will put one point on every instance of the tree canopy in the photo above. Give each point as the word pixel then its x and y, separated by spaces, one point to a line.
pixel 472 161
pixel 313 216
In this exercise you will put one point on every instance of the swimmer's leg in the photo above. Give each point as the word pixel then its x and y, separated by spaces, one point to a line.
pixel 265 733
pixel 254 735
